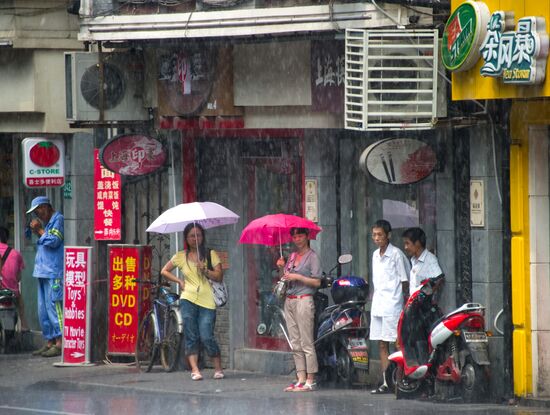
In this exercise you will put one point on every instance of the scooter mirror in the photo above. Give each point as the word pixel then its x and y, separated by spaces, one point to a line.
pixel 345 259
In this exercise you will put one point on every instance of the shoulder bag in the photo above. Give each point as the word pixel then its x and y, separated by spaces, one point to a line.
pixel 219 289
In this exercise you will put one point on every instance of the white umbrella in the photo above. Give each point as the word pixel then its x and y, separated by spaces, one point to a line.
pixel 206 214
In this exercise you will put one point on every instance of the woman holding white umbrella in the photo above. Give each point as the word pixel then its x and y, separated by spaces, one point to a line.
pixel 197 300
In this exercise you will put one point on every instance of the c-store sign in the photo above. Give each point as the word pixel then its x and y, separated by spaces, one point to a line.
pixel 43 162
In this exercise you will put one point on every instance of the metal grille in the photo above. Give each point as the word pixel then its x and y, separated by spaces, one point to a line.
pixel 391 79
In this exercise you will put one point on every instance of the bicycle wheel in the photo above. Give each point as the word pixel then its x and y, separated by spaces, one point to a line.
pixel 170 346
pixel 146 348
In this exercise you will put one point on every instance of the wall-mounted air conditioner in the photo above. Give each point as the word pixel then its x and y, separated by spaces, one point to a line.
pixel 123 75
pixel 392 80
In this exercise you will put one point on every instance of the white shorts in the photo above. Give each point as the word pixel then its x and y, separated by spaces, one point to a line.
pixel 383 328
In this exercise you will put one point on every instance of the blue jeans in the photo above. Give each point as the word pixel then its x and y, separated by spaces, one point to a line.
pixel 198 327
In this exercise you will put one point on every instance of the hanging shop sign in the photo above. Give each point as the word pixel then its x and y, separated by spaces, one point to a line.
pixel 107 202
pixel 128 299
pixel 463 35
pixel 76 305
pixel 43 162
pixel 398 161
pixel 132 154
pixel 519 57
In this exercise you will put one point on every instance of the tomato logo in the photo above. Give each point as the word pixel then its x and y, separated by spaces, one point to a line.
pixel 44 154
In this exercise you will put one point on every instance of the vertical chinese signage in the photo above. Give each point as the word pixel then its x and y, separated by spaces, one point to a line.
pixel 76 305
pixel 327 77
pixel 128 300
pixel 107 202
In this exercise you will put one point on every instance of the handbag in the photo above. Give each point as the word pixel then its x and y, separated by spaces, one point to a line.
pixel 219 289
pixel 281 287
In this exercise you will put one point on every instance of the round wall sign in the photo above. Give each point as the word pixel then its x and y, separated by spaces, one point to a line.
pixel 463 35
pixel 398 160
pixel 132 154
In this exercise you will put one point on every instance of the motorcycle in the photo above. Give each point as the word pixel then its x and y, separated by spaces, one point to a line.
pixel 8 319
pixel 441 356
pixel 343 330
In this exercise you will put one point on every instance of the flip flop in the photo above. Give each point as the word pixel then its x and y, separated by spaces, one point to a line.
pixel 196 376
pixel 219 375
pixel 380 390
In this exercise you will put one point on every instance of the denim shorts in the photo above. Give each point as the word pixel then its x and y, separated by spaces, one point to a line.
pixel 198 327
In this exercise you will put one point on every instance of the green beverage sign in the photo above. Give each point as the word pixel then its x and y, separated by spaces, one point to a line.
pixel 463 34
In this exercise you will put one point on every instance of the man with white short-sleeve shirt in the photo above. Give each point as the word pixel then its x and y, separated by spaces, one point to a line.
pixel 424 264
pixel 390 279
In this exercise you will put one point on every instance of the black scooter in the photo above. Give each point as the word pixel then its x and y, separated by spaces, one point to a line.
pixel 343 330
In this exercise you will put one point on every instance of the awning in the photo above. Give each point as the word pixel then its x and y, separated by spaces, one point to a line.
pixel 247 22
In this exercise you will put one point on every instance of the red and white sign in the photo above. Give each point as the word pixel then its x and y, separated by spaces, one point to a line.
pixel 132 154
pixel 76 305
pixel 128 300
pixel 398 160
pixel 107 203
pixel 43 162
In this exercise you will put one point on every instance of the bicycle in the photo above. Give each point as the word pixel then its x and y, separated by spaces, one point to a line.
pixel 161 330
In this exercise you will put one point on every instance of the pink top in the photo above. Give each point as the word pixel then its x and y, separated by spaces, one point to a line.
pixel 12 267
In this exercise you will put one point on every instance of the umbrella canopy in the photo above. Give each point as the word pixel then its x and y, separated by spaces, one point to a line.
pixel 275 229
pixel 206 214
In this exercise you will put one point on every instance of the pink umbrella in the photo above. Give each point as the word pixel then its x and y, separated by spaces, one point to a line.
pixel 274 230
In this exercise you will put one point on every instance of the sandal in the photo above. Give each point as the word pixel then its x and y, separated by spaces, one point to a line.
pixel 381 390
pixel 305 387
pixel 219 375
pixel 196 376
pixel 293 386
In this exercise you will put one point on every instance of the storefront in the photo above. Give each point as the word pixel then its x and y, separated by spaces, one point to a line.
pixel 523 80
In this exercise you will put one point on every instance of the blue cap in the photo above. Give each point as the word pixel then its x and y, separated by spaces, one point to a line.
pixel 37 201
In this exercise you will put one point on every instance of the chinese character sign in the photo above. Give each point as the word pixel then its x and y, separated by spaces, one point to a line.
pixel 76 313
pixel 126 297
pixel 327 76
pixel 518 57
pixel 107 203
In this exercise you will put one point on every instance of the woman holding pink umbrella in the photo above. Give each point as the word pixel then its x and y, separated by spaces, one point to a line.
pixel 303 272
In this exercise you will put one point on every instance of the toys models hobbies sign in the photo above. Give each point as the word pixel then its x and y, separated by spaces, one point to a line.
pixel 76 306
pixel 43 162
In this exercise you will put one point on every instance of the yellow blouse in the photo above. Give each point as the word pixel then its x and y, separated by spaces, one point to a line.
pixel 197 288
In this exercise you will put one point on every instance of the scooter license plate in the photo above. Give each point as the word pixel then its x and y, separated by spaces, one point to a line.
pixel 475 336
pixel 357 348
pixel 357 343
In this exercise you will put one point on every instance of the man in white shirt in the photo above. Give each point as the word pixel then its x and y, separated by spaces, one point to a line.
pixel 390 271
pixel 424 264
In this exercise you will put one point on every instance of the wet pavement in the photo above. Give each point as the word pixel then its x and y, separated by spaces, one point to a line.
pixel 32 385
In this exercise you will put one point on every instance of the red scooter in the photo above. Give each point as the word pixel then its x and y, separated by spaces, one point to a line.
pixel 444 357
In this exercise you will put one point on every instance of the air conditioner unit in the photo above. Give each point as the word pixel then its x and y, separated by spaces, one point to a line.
pixel 122 87
pixel 392 80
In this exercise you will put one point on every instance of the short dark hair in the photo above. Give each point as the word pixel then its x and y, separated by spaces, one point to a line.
pixel 4 234
pixel 384 224
pixel 294 231
pixel 415 234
